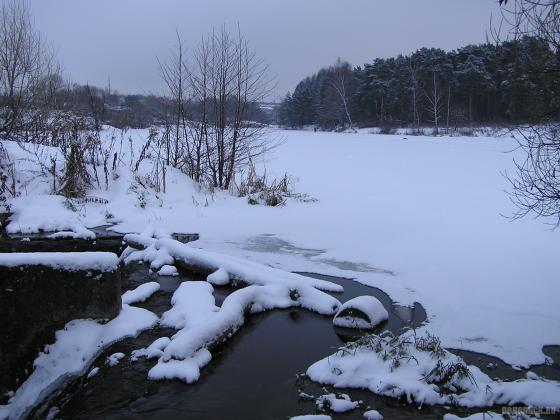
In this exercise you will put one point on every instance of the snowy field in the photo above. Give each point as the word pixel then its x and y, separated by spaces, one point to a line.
pixel 418 217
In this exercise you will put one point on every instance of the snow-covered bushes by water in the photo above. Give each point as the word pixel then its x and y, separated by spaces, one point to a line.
pixel 420 370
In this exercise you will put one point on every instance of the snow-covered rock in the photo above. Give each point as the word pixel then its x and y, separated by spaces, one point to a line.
pixel 114 359
pixel 363 312
pixel 336 404
pixel 92 373
pixel 373 415
pixel 153 350
pixel 141 293
pixel 168 270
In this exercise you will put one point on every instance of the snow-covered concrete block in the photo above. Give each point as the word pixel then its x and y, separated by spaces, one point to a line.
pixel 41 292
pixel 362 312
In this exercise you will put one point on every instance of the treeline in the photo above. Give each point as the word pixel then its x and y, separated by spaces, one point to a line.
pixel 108 106
pixel 515 81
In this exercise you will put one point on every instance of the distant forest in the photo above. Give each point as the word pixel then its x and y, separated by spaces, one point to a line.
pixel 513 82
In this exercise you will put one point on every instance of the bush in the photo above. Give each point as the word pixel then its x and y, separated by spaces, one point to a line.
pixel 259 190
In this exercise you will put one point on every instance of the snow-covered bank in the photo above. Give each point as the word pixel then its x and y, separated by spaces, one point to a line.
pixel 427 209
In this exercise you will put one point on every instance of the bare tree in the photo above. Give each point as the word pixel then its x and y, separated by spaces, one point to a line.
pixel 340 81
pixel 415 89
pixel 174 73
pixel 230 80
pixel 536 182
pixel 26 69
pixel 212 135
pixel 536 186
pixel 434 104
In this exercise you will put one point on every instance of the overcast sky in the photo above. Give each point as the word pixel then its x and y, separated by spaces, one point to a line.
pixel 120 39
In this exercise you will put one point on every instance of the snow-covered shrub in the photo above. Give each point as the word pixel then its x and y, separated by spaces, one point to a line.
pixel 78 140
pixel 76 179
pixel 400 361
pixel 260 190
pixel 145 193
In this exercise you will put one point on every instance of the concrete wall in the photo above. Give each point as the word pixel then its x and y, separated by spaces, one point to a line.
pixel 35 301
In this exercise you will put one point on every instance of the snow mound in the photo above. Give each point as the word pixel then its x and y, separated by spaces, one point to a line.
pixel 153 350
pixel 419 369
pixel 363 312
pixel 312 417
pixel 192 304
pixel 373 415
pixel 307 292
pixel 114 359
pixel 340 404
pixel 71 354
pixel 46 213
pixel 219 277
pixel 186 370
pixel 168 270
pixel 141 293
pixel 92 373
pixel 68 261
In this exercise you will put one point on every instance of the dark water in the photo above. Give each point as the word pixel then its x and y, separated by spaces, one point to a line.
pixel 252 376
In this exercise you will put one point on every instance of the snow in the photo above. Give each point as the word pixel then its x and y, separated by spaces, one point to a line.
pixel 186 369
pixel 336 404
pixel 307 291
pixel 420 370
pixel 427 209
pixel 202 324
pixel 92 373
pixel 219 277
pixel 488 415
pixel 168 270
pixel 80 233
pixel 312 417
pixel 141 293
pixel 373 415
pixel 68 261
pixel 75 347
pixel 152 351
pixel 369 306
pixel 114 359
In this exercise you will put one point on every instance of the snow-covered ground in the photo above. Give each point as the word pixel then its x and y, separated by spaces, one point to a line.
pixel 419 218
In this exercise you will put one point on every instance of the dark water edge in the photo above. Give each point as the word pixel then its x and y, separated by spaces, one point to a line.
pixel 252 376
